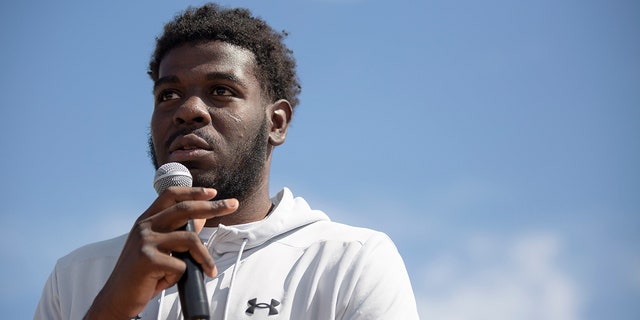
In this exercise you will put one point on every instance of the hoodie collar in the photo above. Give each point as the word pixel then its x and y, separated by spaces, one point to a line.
pixel 289 213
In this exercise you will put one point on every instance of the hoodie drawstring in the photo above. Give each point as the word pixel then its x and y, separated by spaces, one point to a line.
pixel 233 276
pixel 160 305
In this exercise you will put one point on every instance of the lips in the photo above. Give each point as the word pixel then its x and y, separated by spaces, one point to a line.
pixel 188 147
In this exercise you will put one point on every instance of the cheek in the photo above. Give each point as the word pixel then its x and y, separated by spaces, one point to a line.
pixel 159 121
pixel 232 125
pixel 156 128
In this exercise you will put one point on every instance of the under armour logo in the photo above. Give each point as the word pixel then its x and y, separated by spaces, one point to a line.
pixel 272 307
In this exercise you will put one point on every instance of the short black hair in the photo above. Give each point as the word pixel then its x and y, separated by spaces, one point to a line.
pixel 275 62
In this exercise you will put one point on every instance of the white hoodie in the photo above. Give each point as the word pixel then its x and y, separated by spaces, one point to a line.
pixel 294 264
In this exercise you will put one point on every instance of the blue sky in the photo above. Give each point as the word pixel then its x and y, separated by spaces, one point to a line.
pixel 497 142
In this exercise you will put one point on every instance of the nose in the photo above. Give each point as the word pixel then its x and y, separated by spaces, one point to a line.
pixel 192 112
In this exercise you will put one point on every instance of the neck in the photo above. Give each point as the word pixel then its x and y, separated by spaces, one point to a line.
pixel 253 208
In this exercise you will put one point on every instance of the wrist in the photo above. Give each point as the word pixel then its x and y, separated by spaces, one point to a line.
pixel 102 310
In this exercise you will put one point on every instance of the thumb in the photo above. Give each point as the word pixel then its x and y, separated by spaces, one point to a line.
pixel 199 224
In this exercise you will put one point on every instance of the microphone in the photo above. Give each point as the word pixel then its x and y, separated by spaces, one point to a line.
pixel 193 295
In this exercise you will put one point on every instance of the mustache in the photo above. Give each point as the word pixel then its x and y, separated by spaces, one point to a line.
pixel 201 133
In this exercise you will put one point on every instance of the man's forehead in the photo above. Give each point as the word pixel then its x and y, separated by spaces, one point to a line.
pixel 221 53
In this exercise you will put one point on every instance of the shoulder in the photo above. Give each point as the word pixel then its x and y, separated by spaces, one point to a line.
pixel 336 233
pixel 344 232
pixel 77 278
pixel 373 280
pixel 105 251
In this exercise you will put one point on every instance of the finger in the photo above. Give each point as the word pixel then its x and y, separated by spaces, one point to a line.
pixel 199 224
pixel 186 241
pixel 179 194
pixel 159 260
pixel 172 270
pixel 173 195
pixel 176 216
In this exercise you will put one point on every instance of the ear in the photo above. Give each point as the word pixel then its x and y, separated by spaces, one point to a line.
pixel 279 113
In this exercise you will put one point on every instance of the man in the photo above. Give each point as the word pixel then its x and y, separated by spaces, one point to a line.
pixel 225 88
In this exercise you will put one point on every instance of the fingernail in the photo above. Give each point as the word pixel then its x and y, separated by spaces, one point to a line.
pixel 231 203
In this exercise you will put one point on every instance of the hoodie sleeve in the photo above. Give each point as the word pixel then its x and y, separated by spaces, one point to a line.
pixel 49 305
pixel 379 287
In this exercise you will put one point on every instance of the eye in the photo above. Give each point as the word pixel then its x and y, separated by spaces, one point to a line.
pixel 221 91
pixel 168 95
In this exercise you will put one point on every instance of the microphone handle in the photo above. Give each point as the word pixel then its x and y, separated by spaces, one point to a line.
pixel 191 288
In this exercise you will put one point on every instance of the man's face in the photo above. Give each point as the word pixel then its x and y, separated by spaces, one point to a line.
pixel 210 116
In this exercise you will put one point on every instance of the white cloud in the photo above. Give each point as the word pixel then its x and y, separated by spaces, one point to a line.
pixel 499 279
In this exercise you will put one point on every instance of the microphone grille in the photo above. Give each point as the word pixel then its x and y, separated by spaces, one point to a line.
pixel 171 174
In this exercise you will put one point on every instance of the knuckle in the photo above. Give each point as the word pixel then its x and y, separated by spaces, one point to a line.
pixel 147 251
pixel 183 206
pixel 220 204
pixel 193 237
pixel 141 228
pixel 149 254
pixel 145 234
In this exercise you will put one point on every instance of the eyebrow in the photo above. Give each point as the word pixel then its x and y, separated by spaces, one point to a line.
pixel 226 76
pixel 163 80
pixel 210 76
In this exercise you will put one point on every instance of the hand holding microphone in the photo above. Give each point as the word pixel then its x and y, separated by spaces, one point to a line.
pixel 149 260
pixel 191 286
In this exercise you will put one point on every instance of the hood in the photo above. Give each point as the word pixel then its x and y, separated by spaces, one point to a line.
pixel 289 213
